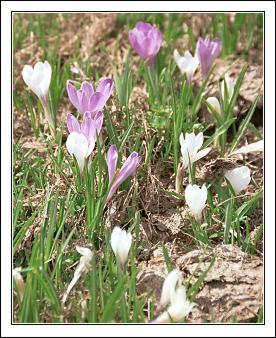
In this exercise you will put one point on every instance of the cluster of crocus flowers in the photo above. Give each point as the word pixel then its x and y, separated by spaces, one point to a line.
pixel 82 268
pixel 196 199
pixel 116 178
pixel 120 243
pixel 190 148
pixel 146 40
pixel 173 296
pixel 186 63
pixel 207 51
pixel 82 138
pixel 239 178
pixel 38 79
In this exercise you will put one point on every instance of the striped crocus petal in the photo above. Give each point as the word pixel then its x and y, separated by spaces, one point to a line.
pixel 72 123
pixel 111 160
pixel 127 170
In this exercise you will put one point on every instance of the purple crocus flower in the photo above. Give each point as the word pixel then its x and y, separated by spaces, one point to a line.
pixel 127 169
pixel 146 40
pixel 86 99
pixel 207 51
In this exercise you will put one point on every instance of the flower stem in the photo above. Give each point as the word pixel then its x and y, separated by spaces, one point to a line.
pixel 48 115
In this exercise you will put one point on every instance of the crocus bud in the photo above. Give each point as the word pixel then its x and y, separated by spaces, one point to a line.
pixel 229 85
pixel 207 51
pixel 38 78
pixel 169 286
pixel 120 244
pixel 196 198
pixel 187 64
pixel 146 40
pixel 18 279
pixel 179 178
pixel 214 103
pixel 127 169
pixel 86 100
pixel 190 148
pixel 239 178
pixel 83 267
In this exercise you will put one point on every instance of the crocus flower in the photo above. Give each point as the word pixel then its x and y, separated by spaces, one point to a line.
pixel 175 295
pixel 207 51
pixel 146 40
pixel 120 244
pixel 169 286
pixel 187 64
pixel 127 169
pixel 82 138
pixel 214 103
pixel 18 279
pixel 239 178
pixel 83 267
pixel 190 148
pixel 229 85
pixel 196 198
pixel 86 99
pixel 38 80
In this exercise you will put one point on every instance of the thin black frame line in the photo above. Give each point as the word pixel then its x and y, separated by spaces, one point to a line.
pixel 131 324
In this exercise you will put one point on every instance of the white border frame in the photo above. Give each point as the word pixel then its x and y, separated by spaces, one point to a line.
pixel 83 330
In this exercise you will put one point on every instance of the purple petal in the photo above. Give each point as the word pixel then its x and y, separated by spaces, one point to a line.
pixel 83 102
pixel 96 103
pixel 72 123
pixel 88 127
pixel 144 27
pixel 105 87
pixel 99 121
pixel 127 170
pixel 111 160
pixel 87 88
pixel 72 94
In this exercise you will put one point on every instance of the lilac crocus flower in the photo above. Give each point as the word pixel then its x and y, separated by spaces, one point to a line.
pixel 82 137
pixel 127 169
pixel 86 99
pixel 207 51
pixel 146 40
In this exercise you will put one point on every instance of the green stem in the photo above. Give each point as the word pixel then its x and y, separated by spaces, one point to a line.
pixel 48 115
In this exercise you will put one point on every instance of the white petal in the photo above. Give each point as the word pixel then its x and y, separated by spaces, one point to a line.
pixel 201 154
pixel 214 102
pixel 77 145
pixel 198 142
pixel 169 286
pixel 196 198
pixel 120 243
pixel 229 86
pixel 239 178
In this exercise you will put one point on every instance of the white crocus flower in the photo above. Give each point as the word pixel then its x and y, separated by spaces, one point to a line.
pixel 214 103
pixel 78 145
pixel 120 244
pixel 196 198
pixel 186 63
pixel 229 85
pixel 19 281
pixel 169 286
pixel 190 148
pixel 239 178
pixel 83 267
pixel 176 296
pixel 38 78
